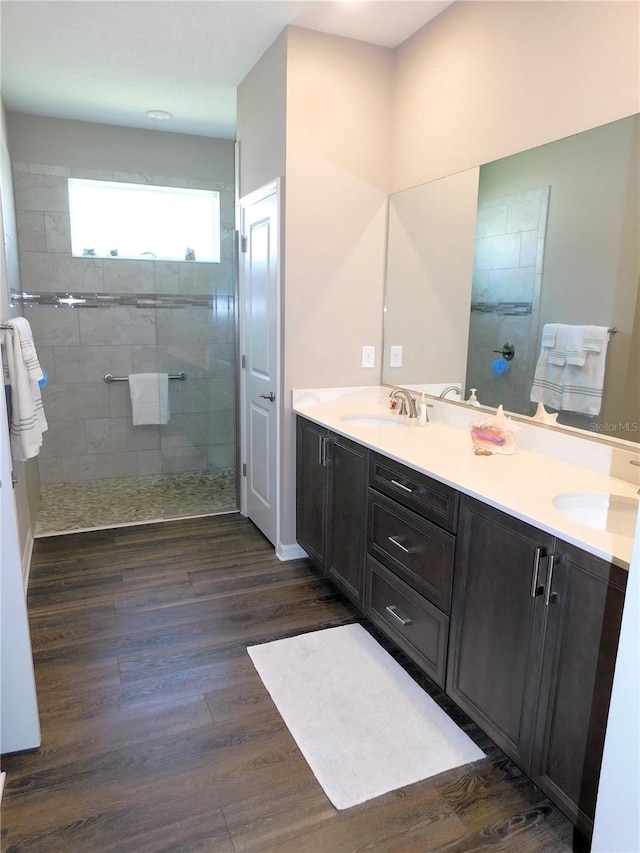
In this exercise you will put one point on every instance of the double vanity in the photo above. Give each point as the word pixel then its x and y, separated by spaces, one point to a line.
pixel 502 577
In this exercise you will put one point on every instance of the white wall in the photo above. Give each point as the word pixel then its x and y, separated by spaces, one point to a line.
pixel 337 157
pixel 261 124
pixel 487 79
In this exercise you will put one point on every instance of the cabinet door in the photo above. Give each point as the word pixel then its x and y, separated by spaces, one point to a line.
pixel 496 624
pixel 311 490
pixel 580 646
pixel 347 513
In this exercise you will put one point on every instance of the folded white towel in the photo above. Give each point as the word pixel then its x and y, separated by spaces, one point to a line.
pixel 149 398
pixel 22 372
pixel 549 331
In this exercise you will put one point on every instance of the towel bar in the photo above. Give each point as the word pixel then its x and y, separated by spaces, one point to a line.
pixel 109 377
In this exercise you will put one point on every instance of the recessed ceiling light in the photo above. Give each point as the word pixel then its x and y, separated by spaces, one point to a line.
pixel 158 115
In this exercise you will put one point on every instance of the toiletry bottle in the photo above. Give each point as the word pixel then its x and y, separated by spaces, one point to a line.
pixel 473 400
pixel 423 419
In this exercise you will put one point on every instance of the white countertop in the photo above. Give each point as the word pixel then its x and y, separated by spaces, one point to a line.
pixel 522 485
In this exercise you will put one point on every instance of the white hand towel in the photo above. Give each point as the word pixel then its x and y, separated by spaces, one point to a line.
pixel 149 398
pixel 22 372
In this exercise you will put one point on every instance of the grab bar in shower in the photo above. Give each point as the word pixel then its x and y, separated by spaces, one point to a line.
pixel 109 377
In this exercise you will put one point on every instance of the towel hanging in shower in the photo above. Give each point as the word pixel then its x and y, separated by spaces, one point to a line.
pixel 149 398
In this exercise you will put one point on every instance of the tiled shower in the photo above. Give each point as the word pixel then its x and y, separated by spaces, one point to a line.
pixel 93 316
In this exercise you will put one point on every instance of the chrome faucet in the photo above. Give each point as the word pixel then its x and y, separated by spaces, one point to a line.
pixel 446 390
pixel 407 402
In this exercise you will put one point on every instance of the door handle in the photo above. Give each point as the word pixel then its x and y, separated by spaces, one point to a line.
pixel 270 396
pixel 536 589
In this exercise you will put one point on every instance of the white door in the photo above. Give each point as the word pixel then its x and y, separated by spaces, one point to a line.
pixel 259 335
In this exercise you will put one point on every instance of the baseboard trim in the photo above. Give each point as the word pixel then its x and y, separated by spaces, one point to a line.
pixel 290 552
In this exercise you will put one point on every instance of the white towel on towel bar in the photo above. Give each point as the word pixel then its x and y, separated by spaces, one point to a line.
pixel 22 372
pixel 149 398
pixel 572 383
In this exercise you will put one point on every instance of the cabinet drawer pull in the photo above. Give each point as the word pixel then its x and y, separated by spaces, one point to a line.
pixel 536 589
pixel 401 486
pixel 550 597
pixel 391 608
pixel 395 541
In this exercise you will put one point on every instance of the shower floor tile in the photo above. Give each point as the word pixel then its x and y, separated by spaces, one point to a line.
pixel 116 501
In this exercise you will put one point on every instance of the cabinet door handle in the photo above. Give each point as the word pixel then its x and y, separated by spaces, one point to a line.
pixel 536 589
pixel 391 608
pixel 395 541
pixel 401 486
pixel 322 450
pixel 550 597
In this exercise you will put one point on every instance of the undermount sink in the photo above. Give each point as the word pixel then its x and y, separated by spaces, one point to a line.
pixel 377 421
pixel 614 513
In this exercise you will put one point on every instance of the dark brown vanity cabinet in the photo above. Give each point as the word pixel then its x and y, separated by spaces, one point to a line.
pixel 411 545
pixel 578 661
pixel 331 505
pixel 533 640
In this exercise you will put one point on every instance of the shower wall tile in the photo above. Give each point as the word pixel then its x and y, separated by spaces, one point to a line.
pixel 496 252
pixel 53 326
pixel 221 360
pixel 58 233
pixel 90 363
pixel 84 400
pixel 110 435
pixel 40 192
pixel 119 399
pixel 524 215
pixel 149 463
pixel 180 459
pixel 31 230
pixel 167 277
pixel 47 363
pixel 197 278
pixel 176 325
pixel 98 467
pixel 171 359
pixel 199 395
pixel 64 438
pixel 491 219
pixel 47 272
pixel 512 285
pixel 50 470
pixel 221 456
pixel 528 248
pixel 222 427
pixel 118 325
pixel 123 276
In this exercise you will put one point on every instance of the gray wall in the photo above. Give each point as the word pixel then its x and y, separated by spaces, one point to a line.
pixel 90 430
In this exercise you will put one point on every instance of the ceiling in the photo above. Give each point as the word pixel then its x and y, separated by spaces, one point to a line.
pixel 110 61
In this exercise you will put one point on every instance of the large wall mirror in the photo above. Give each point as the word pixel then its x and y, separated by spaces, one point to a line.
pixel 541 252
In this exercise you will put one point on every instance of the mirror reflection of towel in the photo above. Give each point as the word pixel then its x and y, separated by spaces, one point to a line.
pixel 149 398
pixel 569 376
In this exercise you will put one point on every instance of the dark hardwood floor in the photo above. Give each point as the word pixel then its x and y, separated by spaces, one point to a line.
pixel 158 735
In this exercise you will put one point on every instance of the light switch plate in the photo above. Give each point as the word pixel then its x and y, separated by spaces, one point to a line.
pixel 395 356
pixel 368 356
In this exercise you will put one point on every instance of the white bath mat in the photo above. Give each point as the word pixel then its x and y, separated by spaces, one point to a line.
pixel 362 723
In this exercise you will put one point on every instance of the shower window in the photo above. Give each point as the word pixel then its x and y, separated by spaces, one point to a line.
pixel 118 220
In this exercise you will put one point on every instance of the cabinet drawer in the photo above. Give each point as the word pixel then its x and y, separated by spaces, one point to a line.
pixel 419 628
pixel 416 550
pixel 428 497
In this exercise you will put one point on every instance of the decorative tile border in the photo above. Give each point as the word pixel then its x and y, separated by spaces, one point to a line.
pixel 132 300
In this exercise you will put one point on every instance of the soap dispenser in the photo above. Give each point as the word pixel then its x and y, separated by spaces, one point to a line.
pixel 473 400
pixel 423 417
